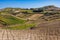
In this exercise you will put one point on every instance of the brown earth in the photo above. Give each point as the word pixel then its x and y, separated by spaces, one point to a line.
pixel 44 31
pixel 1 25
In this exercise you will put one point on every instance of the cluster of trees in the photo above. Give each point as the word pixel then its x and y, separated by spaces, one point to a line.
pixel 37 9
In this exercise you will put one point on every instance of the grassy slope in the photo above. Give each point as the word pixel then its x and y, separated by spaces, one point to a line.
pixel 20 27
pixel 29 11
pixel 11 20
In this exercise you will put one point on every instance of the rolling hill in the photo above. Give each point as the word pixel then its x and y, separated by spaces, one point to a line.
pixel 18 18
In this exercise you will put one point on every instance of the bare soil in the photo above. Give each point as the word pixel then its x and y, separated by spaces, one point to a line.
pixel 44 31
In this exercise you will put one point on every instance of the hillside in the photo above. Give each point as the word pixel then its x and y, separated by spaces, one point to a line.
pixel 19 18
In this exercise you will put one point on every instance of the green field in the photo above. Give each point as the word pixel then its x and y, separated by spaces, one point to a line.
pixel 10 20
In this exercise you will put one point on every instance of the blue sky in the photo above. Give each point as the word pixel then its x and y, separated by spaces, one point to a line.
pixel 28 3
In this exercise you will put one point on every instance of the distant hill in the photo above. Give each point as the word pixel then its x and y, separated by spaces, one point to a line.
pixel 46 8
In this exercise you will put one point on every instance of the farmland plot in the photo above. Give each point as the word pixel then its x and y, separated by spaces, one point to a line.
pixel 9 20
pixel 41 34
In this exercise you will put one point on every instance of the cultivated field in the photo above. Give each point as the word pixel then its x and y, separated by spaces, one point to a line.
pixel 44 31
pixel 10 20
pixel 43 34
